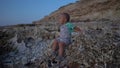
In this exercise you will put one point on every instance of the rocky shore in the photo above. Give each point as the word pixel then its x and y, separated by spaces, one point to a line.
pixel 30 46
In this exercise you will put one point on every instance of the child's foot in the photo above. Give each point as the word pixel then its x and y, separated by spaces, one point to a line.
pixel 56 60
pixel 49 63
pixel 61 61
pixel 53 54
pixel 59 58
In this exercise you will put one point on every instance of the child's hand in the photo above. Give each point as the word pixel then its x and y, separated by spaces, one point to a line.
pixel 80 31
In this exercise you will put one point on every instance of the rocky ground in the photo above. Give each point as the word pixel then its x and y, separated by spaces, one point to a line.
pixel 28 46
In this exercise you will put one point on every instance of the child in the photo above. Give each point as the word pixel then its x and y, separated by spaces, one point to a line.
pixel 65 36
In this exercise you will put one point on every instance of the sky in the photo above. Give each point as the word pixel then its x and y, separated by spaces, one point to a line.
pixel 26 11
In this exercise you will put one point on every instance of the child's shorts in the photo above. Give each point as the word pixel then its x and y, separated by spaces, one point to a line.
pixel 67 41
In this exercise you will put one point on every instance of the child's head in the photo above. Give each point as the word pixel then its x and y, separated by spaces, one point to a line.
pixel 63 18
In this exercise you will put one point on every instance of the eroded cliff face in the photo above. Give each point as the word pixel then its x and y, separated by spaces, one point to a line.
pixel 87 10
pixel 29 45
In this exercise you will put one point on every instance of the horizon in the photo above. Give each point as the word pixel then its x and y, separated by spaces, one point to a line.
pixel 15 12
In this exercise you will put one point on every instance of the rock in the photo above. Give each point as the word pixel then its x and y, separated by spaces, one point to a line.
pixel 21 47
pixel 29 42
pixel 74 64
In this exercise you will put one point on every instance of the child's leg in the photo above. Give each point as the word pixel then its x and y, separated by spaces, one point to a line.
pixel 55 45
pixel 61 48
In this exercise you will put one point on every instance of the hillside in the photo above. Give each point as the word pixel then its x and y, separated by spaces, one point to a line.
pixel 87 10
